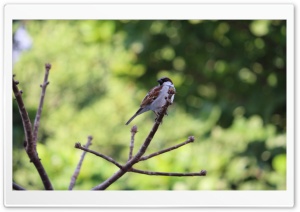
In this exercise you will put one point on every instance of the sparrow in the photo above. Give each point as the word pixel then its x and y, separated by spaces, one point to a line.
pixel 155 98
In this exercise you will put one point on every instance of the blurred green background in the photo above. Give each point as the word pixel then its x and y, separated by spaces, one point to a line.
pixel 230 78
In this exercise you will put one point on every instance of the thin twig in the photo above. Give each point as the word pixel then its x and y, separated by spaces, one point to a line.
pixel 78 146
pixel 24 116
pixel 190 139
pixel 201 173
pixel 39 111
pixel 138 171
pixel 77 170
pixel 141 151
pixel 174 174
pixel 30 147
pixel 133 132
pixel 17 187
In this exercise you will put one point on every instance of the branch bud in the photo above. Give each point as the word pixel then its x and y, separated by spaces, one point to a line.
pixel 203 172
pixel 77 145
pixel 134 129
pixel 191 138
pixel 48 66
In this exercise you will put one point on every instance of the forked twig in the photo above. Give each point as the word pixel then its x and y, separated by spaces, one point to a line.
pixel 31 142
pixel 138 171
pixel 128 167
pixel 141 151
pixel 77 170
pixel 30 145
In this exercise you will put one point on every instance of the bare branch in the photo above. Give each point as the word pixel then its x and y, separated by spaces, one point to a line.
pixel 190 139
pixel 78 146
pixel 30 146
pixel 128 167
pixel 39 111
pixel 141 151
pixel 17 187
pixel 24 116
pixel 133 132
pixel 77 170
pixel 201 173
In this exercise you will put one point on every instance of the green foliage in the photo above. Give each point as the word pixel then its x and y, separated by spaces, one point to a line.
pixel 230 78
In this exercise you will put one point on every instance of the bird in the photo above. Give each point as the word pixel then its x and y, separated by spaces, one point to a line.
pixel 155 98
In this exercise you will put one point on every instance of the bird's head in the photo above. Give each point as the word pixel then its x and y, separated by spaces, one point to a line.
pixel 164 79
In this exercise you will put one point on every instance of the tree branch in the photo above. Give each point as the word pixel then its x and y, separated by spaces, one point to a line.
pixel 128 167
pixel 39 111
pixel 77 170
pixel 201 173
pixel 30 147
pixel 190 139
pixel 141 151
pixel 133 132
pixel 17 187
pixel 24 116
pixel 109 159
pixel 138 171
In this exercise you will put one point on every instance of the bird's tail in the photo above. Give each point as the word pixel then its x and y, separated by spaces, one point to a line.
pixel 140 111
pixel 131 118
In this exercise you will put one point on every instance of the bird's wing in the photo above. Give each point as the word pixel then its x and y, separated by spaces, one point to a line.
pixel 151 96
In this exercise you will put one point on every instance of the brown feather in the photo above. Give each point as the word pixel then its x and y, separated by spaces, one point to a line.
pixel 151 96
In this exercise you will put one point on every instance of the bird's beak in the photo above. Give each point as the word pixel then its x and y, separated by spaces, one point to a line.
pixel 159 81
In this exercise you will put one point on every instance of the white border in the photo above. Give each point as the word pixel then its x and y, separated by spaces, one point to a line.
pixel 148 198
pixel 149 11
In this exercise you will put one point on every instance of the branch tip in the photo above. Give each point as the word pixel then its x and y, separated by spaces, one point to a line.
pixel 203 172
pixel 48 66
pixel 134 129
pixel 77 170
pixel 77 145
pixel 191 138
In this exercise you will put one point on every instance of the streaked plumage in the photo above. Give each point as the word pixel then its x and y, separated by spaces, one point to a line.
pixel 155 98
